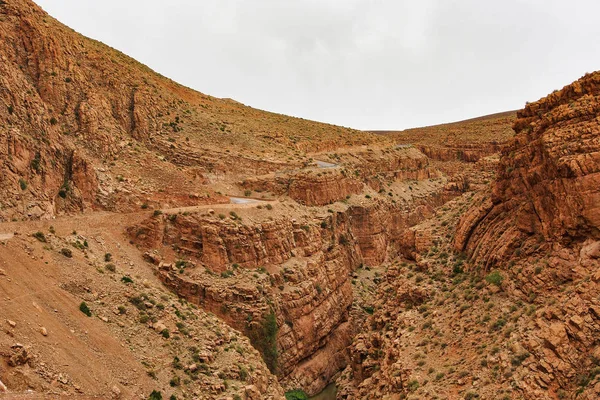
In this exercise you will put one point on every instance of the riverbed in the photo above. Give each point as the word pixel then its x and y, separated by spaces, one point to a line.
pixel 329 393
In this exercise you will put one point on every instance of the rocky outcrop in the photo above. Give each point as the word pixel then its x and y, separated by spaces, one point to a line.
pixel 303 279
pixel 49 103
pixel 312 187
pixel 464 141
pixel 69 102
pixel 309 264
pixel 321 186
pixel 548 180
pixel 464 153
pixel 541 225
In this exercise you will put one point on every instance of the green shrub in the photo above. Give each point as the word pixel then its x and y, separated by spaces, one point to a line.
pixel 36 163
pixel 155 395
pixel 343 240
pixel 413 385
pixel 369 309
pixel 494 278
pixel 40 236
pixel 108 257
pixel 296 395
pixel 22 184
pixel 243 374
pixel 264 338
pixel 138 302
pixel 227 274
pixel 67 253
pixel 83 307
pixel 126 279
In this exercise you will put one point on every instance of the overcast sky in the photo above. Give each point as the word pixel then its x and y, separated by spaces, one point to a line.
pixel 366 64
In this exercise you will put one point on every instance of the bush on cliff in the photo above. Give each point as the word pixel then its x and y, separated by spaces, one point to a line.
pixel 296 395
pixel 263 337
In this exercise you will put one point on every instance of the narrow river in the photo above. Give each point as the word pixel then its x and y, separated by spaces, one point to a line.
pixel 328 394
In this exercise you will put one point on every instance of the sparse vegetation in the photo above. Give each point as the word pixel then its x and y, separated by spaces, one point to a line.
pixel 495 278
pixel 296 395
pixel 83 307
pixel 263 336
pixel 66 252
pixel 155 395
pixel 40 236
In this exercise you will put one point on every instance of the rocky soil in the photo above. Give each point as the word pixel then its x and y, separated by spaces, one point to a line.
pixel 498 296
pixel 158 240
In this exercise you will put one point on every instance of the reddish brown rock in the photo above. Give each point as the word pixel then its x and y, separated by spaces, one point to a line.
pixel 548 179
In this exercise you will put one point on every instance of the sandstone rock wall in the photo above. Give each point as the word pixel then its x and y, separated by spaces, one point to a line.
pixel 311 188
pixel 541 226
pixel 308 285
pixel 548 180
pixel 465 153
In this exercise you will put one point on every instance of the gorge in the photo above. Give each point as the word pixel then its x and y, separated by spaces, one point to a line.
pixel 157 241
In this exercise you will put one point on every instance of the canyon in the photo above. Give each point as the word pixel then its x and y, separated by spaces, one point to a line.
pixel 156 241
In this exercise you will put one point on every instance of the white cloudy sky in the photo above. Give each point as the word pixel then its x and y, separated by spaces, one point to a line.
pixel 368 64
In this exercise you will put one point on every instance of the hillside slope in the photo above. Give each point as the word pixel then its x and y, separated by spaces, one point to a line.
pixel 81 121
pixel 467 140
pixel 499 295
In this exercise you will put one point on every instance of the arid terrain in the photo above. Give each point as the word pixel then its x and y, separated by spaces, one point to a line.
pixel 159 243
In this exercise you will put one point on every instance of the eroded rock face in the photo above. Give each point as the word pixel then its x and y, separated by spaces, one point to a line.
pixel 309 265
pixel 465 153
pixel 548 179
pixel 541 224
pixel 322 186
pixel 311 188
pixel 51 101
pixel 303 279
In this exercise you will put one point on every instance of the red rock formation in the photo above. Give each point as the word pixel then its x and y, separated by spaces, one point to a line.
pixel 548 179
pixel 322 186
pixel 311 188
pixel 545 206
pixel 69 102
pixel 310 265
pixel 465 153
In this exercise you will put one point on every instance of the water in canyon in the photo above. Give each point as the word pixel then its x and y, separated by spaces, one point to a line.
pixel 329 393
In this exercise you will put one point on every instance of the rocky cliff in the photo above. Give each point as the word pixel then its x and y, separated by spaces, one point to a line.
pixel 548 178
pixel 81 121
pixel 541 223
pixel 245 265
pixel 346 174
pixel 500 299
